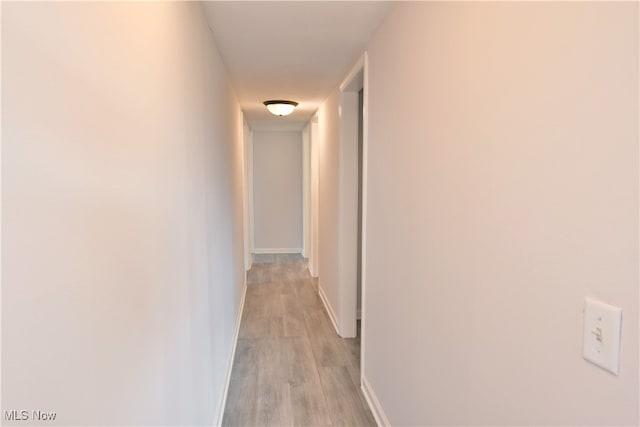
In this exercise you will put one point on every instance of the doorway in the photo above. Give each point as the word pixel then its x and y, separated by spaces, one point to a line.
pixel 353 98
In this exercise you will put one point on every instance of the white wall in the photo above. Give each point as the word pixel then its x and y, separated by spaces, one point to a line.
pixel 348 226
pixel 315 194
pixel 306 191
pixel 122 213
pixel 338 203
pixel 246 194
pixel 277 191
pixel 502 190
pixel 328 152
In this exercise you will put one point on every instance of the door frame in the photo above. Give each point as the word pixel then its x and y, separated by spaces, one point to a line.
pixel 356 80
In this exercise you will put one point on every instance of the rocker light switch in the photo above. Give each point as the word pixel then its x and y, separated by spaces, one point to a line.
pixel 602 327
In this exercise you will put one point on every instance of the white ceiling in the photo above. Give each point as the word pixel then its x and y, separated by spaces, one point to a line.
pixel 296 50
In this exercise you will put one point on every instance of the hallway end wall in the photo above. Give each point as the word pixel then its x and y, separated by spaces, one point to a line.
pixel 122 261
pixel 277 191
pixel 502 191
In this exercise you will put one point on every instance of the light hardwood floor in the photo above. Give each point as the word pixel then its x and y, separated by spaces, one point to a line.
pixel 290 367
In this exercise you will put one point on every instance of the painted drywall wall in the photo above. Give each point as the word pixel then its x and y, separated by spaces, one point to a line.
pixel 122 214
pixel 315 194
pixel 277 191
pixel 502 190
pixel 328 152
pixel 306 191
pixel 348 207
pixel 246 194
pixel 338 208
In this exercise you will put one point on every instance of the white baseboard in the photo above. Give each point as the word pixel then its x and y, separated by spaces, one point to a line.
pixel 223 401
pixel 327 307
pixel 277 251
pixel 374 404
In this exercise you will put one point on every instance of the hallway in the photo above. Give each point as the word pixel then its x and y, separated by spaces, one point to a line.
pixel 290 367
pixel 461 176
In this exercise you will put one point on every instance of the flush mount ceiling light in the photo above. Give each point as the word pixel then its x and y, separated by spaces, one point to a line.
pixel 279 107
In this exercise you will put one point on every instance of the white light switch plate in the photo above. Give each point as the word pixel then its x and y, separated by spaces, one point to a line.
pixel 602 327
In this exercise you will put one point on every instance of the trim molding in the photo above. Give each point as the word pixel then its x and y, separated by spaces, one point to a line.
pixel 277 251
pixel 328 308
pixel 223 401
pixel 374 404
pixel 365 191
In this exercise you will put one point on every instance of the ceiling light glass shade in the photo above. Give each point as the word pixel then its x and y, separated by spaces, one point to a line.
pixel 280 107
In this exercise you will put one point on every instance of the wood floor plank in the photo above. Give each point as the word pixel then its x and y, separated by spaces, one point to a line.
pixel 293 316
pixel 263 258
pixel 271 303
pixel 307 295
pixel 324 342
pixel 252 324
pixel 309 407
pixel 290 366
pixel 343 398
pixel 352 360
pixel 274 327
pixel 245 361
pixel 242 397
pixel 273 403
